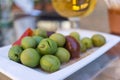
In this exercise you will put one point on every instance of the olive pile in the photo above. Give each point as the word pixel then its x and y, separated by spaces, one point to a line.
pixel 50 49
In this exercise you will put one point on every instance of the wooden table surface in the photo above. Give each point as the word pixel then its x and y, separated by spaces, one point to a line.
pixel 112 71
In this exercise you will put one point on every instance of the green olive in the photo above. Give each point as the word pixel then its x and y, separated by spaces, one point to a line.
pixel 40 32
pixel 38 39
pixel 14 53
pixel 63 54
pixel 87 42
pixel 30 57
pixel 49 63
pixel 98 40
pixel 75 35
pixel 28 42
pixel 82 47
pixel 47 46
pixel 58 38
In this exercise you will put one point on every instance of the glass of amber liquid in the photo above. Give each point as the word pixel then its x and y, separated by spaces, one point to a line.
pixel 74 10
pixel 114 20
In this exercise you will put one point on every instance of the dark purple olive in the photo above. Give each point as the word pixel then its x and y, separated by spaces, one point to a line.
pixel 49 33
pixel 73 47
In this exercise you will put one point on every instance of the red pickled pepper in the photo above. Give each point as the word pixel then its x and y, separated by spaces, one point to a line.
pixel 28 32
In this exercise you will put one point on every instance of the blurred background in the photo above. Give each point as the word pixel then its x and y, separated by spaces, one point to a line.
pixel 17 15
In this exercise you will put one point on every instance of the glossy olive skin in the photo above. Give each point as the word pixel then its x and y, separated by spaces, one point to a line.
pixel 37 39
pixel 82 47
pixel 87 42
pixel 28 42
pixel 49 63
pixel 40 32
pixel 30 57
pixel 47 46
pixel 98 40
pixel 73 46
pixel 14 53
pixel 63 54
pixel 58 38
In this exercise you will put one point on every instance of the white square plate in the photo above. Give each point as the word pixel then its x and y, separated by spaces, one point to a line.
pixel 17 71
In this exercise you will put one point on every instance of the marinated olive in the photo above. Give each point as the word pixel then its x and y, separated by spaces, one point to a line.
pixel 87 42
pixel 38 39
pixel 98 40
pixel 30 57
pixel 58 38
pixel 82 47
pixel 63 54
pixel 28 42
pixel 40 32
pixel 14 53
pixel 72 46
pixel 47 46
pixel 50 63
